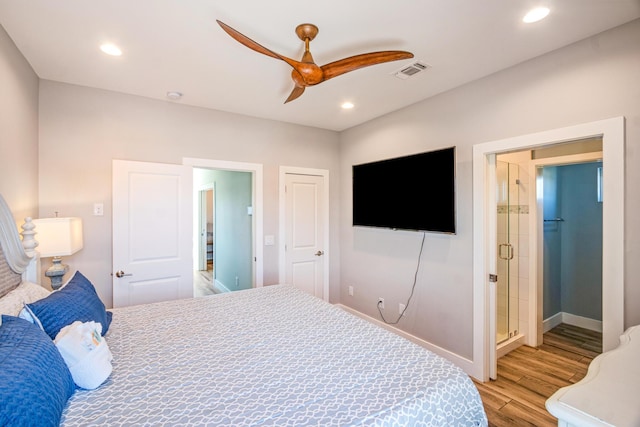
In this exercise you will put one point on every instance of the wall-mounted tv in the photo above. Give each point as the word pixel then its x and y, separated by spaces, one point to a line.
pixel 415 192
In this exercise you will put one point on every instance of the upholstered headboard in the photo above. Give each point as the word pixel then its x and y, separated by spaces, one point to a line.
pixel 14 262
pixel 9 279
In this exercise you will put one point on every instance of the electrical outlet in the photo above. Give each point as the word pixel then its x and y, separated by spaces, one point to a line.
pixel 98 209
pixel 350 291
pixel 381 303
pixel 401 307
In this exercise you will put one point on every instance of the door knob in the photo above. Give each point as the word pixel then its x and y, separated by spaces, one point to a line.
pixel 319 253
pixel 122 274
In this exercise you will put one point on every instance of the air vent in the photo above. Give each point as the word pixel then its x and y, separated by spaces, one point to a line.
pixel 411 70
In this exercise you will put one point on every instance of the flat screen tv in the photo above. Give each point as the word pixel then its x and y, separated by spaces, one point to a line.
pixel 415 192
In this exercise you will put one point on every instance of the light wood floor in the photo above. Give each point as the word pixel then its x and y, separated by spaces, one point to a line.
pixel 202 285
pixel 527 376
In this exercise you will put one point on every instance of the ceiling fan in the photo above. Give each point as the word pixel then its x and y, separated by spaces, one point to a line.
pixel 306 72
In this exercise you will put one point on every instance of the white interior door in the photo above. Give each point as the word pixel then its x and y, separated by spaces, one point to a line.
pixel 305 225
pixel 152 232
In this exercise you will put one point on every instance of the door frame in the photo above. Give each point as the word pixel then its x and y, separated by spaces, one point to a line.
pixel 284 170
pixel 201 248
pixel 258 206
pixel 612 133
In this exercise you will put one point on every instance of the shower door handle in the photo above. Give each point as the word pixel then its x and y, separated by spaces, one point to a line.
pixel 509 251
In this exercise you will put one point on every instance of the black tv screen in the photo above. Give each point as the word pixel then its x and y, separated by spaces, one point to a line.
pixel 415 192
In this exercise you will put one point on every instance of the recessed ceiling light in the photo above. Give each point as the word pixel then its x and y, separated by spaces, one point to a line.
pixel 111 49
pixel 535 15
pixel 347 105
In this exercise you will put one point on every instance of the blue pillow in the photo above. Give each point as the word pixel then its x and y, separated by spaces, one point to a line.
pixel 77 300
pixel 35 383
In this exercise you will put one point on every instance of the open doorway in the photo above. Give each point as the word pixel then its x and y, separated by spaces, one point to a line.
pixel 561 183
pixel 485 250
pixel 250 273
pixel 225 234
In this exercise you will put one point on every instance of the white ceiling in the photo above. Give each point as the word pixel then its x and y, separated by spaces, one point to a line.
pixel 176 45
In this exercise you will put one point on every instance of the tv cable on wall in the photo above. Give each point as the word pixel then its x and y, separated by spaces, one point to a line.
pixel 413 288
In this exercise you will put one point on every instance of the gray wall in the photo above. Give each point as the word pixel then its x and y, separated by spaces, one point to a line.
pixel 18 131
pixel 575 261
pixel 83 129
pixel 590 80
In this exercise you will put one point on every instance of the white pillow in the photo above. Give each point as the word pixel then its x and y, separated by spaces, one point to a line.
pixel 25 293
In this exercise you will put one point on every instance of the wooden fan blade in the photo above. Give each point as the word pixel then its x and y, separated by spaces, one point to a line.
pixel 241 38
pixel 351 63
pixel 295 93
pixel 248 42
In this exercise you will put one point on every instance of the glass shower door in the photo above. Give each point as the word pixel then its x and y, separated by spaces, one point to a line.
pixel 507 240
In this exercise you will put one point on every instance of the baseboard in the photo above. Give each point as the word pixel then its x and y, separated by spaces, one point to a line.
pixel 573 320
pixel 464 363
pixel 551 322
pixel 582 322
pixel 219 288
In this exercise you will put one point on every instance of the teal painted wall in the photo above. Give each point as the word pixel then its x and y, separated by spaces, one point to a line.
pixel 552 245
pixel 573 247
pixel 233 228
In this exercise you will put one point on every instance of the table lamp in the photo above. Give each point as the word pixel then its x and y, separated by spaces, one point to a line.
pixel 58 237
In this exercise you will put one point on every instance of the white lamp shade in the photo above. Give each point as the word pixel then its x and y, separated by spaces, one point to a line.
pixel 58 236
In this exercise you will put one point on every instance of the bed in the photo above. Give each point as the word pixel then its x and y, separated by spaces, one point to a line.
pixel 267 356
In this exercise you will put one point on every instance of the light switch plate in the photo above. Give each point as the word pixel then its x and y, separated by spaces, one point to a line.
pixel 98 209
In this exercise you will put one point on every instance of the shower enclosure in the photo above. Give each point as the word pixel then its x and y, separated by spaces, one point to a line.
pixel 509 207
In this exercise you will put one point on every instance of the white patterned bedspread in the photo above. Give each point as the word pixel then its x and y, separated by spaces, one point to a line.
pixel 269 356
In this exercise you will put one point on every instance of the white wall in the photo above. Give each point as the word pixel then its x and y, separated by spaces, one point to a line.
pixel 593 79
pixel 18 131
pixel 83 129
